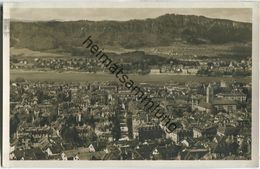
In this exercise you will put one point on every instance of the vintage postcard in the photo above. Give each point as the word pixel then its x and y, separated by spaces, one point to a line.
pixel 142 84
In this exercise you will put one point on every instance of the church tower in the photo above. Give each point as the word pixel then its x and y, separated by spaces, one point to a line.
pixel 210 94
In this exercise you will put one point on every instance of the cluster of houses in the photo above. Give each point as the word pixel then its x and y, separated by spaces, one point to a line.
pixel 103 121
pixel 205 67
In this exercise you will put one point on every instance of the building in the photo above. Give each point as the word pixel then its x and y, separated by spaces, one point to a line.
pixel 225 105
pixel 208 132
pixel 180 134
pixel 214 104
pixel 150 132
pixel 155 71
pixel 210 94
pixel 233 96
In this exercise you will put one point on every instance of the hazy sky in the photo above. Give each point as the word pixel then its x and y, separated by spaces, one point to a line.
pixel 122 14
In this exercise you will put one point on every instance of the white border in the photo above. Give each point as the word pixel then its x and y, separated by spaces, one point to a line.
pixel 135 163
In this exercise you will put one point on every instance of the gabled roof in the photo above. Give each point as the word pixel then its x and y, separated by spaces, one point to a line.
pixel 205 105
pixel 193 154
pixel 30 154
pixel 232 94
pixel 223 102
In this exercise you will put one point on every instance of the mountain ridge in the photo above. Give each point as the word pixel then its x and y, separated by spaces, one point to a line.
pixel 161 31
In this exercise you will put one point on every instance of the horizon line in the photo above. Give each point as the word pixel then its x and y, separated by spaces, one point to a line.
pixel 114 20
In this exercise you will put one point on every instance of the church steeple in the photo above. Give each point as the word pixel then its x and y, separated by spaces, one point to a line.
pixel 210 94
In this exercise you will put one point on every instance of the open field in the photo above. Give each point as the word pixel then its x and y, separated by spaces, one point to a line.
pixel 82 76
pixel 27 53
pixel 178 50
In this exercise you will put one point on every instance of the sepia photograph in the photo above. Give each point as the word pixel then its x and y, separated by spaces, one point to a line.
pixel 134 84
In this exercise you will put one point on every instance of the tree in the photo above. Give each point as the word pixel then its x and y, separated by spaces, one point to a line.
pixel 44 121
pixel 19 79
pixel 70 135
pixel 40 95
pixel 71 120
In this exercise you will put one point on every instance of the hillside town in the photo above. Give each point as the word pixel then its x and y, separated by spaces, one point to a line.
pixel 60 120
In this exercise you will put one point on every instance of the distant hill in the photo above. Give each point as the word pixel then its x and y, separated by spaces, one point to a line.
pixel 161 31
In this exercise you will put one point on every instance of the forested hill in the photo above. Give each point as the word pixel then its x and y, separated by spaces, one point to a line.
pixel 160 31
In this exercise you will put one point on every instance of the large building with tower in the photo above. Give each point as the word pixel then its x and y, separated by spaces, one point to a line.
pixel 212 103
